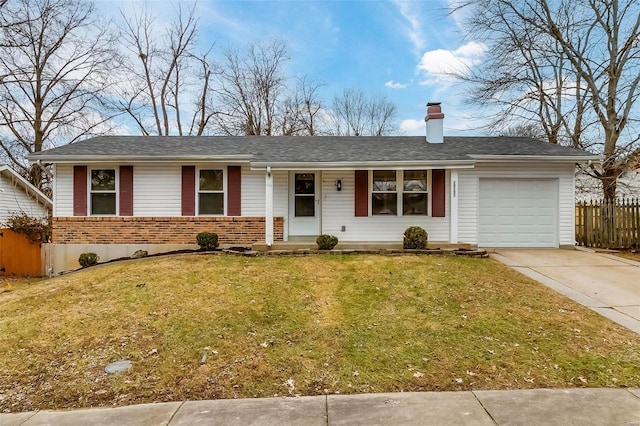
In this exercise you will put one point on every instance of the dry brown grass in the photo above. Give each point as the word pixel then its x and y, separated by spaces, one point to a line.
pixel 300 325
pixel 629 254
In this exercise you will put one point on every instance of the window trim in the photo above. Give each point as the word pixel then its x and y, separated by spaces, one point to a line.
pixel 426 191
pixel 115 191
pixel 400 192
pixel 371 192
pixel 223 191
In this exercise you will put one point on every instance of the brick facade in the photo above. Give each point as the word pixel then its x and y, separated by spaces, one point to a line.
pixel 160 230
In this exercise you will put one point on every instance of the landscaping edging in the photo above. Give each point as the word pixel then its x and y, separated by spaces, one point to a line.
pixel 480 253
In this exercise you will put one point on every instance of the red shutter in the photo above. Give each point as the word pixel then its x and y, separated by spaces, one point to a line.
pixel 126 191
pixel 438 182
pixel 234 191
pixel 362 193
pixel 188 191
pixel 80 190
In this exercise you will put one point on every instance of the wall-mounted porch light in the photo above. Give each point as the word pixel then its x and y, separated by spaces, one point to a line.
pixel 339 184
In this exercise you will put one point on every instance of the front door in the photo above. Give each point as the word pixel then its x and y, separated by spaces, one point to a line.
pixel 304 204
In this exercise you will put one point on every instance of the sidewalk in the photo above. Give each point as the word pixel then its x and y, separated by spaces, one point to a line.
pixel 517 407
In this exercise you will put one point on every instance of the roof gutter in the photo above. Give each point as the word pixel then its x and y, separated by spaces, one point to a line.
pixel 93 159
pixel 379 165
pixel 545 158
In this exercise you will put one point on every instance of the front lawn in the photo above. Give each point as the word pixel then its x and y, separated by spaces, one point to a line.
pixel 215 326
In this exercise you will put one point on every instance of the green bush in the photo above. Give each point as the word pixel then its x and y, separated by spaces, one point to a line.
pixel 88 259
pixel 326 242
pixel 415 238
pixel 207 240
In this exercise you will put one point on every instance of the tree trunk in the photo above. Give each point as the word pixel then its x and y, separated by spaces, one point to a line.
pixel 609 181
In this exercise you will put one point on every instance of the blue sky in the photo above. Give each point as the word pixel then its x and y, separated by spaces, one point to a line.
pixel 400 48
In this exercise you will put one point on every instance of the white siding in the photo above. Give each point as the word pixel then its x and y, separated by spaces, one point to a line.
pixel 157 190
pixel 281 193
pixel 468 200
pixel 567 208
pixel 14 200
pixel 253 192
pixel 281 198
pixel 338 211
pixel 63 191
pixel 467 207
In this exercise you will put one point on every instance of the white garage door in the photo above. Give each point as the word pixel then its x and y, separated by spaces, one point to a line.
pixel 518 213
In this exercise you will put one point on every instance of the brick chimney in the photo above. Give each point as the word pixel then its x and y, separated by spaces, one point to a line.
pixel 434 120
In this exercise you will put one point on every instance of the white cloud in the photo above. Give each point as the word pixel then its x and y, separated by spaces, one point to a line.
pixel 412 17
pixel 412 127
pixel 395 85
pixel 439 66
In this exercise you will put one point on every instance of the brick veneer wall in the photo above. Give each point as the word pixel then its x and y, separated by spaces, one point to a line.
pixel 160 230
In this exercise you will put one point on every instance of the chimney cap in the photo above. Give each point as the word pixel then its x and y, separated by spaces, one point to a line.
pixel 434 111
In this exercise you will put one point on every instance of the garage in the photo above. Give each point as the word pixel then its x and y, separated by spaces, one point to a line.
pixel 518 213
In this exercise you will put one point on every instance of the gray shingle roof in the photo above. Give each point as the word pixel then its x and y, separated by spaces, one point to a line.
pixel 304 149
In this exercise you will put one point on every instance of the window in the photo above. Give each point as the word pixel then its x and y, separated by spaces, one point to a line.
pixel 103 192
pixel 384 193
pixel 394 191
pixel 211 192
pixel 414 192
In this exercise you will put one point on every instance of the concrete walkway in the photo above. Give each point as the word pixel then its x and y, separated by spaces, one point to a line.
pixel 607 284
pixel 519 407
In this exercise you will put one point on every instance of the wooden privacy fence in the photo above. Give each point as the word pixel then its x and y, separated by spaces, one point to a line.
pixel 18 255
pixel 608 223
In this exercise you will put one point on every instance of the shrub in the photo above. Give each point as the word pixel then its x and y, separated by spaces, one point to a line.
pixel 207 240
pixel 36 229
pixel 88 259
pixel 415 238
pixel 138 254
pixel 326 242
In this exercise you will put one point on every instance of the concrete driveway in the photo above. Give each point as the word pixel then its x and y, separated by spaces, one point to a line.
pixel 608 284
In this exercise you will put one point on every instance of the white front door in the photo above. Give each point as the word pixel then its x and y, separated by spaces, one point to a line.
pixel 304 203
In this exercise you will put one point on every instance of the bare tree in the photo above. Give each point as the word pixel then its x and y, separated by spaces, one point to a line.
pixel 572 65
pixel 251 88
pixel 55 60
pixel 163 71
pixel 381 114
pixel 356 114
pixel 529 130
pixel 302 111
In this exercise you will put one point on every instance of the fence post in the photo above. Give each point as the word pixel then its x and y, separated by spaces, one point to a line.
pixel 588 229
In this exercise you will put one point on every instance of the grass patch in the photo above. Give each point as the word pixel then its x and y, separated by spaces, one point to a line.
pixel 629 254
pixel 297 326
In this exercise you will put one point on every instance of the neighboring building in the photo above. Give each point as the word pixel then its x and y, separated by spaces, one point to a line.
pixel 589 188
pixel 17 195
pixel 114 195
